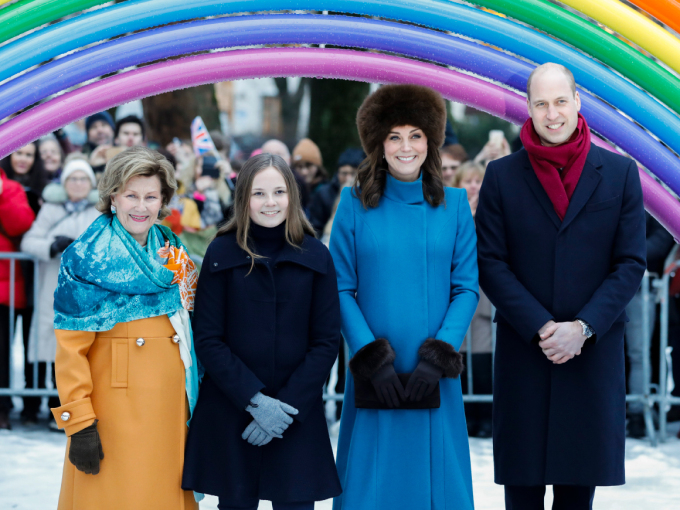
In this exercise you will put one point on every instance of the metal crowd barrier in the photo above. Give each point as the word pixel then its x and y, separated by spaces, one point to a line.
pixel 13 257
pixel 653 288
pixel 663 396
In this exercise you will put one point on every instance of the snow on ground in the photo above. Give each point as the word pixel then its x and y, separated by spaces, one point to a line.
pixel 31 461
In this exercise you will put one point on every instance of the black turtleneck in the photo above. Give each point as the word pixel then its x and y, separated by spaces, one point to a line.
pixel 268 241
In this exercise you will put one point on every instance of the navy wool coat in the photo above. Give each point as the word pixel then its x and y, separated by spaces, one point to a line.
pixel 277 331
pixel 560 424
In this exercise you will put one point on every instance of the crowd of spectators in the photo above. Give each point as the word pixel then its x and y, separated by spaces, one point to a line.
pixel 48 189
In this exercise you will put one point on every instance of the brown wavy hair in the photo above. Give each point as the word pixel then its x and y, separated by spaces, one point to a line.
pixel 297 224
pixel 372 177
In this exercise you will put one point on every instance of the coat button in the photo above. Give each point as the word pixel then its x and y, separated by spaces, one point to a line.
pixel 65 416
pixel 140 341
pixel 247 256
pixel 175 339
pixel 215 264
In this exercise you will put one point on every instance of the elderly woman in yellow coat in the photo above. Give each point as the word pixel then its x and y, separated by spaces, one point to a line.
pixel 125 364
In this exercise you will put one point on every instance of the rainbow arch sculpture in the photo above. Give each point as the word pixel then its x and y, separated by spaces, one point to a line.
pixel 474 56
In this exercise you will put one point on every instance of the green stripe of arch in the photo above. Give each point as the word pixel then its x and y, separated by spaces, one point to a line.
pixel 26 15
pixel 594 41
pixel 540 14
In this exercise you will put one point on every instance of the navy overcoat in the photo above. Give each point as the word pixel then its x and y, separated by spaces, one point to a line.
pixel 560 424
pixel 277 331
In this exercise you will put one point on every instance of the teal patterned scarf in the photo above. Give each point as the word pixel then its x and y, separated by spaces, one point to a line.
pixel 107 277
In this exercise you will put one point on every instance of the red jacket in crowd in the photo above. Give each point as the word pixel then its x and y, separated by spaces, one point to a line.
pixel 16 217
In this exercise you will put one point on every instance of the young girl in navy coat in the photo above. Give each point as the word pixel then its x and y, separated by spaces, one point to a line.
pixel 267 331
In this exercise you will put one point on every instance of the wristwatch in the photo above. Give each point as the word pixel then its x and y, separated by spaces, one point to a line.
pixel 587 330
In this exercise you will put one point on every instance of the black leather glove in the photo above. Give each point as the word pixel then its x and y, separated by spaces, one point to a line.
pixel 423 380
pixel 388 386
pixel 86 450
pixel 60 244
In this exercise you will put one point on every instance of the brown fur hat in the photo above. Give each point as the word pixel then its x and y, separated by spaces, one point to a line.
pixel 401 105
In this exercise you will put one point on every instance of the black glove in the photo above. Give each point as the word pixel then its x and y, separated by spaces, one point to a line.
pixel 60 244
pixel 388 386
pixel 423 381
pixel 86 450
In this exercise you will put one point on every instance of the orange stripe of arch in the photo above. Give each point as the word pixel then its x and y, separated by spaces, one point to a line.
pixel 666 11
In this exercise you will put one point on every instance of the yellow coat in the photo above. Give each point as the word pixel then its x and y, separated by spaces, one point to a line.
pixel 138 395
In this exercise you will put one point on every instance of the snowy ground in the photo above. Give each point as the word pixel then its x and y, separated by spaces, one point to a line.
pixel 31 461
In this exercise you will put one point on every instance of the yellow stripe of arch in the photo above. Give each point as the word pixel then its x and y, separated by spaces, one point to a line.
pixel 4 2
pixel 634 26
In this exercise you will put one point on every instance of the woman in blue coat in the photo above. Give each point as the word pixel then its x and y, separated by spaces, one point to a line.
pixel 267 331
pixel 404 248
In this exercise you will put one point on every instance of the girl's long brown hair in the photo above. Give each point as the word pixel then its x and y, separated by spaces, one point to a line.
pixel 297 224
pixel 372 177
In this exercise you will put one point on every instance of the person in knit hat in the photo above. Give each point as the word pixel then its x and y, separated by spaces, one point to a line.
pixel 100 129
pixel 307 162
pixel 406 260
pixel 561 228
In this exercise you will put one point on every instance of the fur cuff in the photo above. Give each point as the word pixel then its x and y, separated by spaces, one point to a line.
pixel 443 355
pixel 371 358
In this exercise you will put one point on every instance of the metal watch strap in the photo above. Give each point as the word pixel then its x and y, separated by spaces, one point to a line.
pixel 587 330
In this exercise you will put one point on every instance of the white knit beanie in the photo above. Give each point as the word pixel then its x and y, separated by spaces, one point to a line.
pixel 78 164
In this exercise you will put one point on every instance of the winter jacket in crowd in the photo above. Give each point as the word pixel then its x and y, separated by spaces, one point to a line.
pixel 480 333
pixel 57 217
pixel 16 217
pixel 275 330
pixel 659 244
pixel 33 182
pixel 185 221
pixel 321 204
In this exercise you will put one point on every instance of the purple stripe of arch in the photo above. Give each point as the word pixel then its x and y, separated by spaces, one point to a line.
pixel 416 42
pixel 241 64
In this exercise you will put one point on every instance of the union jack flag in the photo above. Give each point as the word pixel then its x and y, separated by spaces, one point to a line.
pixel 201 138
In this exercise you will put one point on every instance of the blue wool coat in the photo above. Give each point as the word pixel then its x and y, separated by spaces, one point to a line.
pixel 560 424
pixel 406 271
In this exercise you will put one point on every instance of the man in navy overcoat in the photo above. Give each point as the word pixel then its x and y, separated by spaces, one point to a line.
pixel 561 244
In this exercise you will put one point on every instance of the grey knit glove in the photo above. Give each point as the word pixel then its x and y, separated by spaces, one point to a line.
pixel 271 414
pixel 255 435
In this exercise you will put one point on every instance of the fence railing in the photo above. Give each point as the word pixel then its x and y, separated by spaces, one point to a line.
pixel 654 290
pixel 14 258
pixel 663 396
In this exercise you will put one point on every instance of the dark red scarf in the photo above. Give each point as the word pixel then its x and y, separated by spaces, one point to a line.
pixel 570 156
